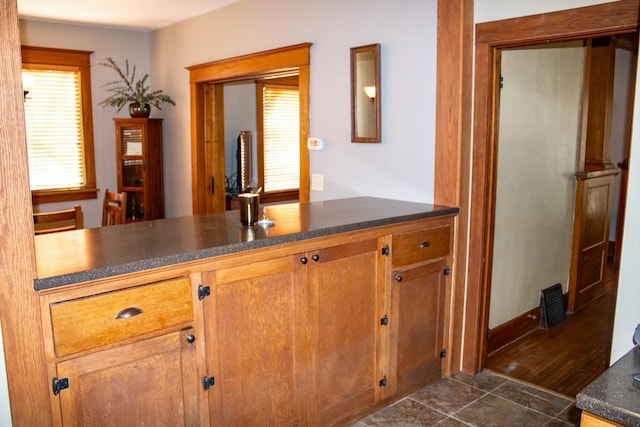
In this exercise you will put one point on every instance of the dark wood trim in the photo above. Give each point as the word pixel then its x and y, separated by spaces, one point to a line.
pixel 512 330
pixel 604 19
pixel 516 328
pixel 573 24
pixel 453 147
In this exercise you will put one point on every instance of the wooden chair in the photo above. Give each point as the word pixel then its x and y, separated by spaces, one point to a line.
pixel 114 208
pixel 52 222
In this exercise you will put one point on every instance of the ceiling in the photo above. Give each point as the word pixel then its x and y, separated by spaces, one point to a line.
pixel 145 15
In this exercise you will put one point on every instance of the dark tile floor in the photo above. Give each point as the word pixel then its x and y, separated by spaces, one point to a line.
pixel 486 399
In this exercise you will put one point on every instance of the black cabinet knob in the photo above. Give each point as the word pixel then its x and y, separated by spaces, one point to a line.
pixel 191 339
pixel 316 257
pixel 398 278
pixel 303 260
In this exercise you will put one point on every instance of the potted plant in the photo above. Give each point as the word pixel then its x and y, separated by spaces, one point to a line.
pixel 127 90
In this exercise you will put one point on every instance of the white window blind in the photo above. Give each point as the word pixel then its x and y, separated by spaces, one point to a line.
pixel 281 134
pixel 53 115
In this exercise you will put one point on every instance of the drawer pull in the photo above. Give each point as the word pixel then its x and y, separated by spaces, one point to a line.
pixel 128 312
pixel 424 244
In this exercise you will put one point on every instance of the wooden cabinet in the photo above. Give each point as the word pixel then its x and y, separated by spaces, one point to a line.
pixel 135 384
pixel 257 341
pixel 295 336
pixel 124 357
pixel 139 167
pixel 311 333
pixel 590 420
pixel 345 307
pixel 417 307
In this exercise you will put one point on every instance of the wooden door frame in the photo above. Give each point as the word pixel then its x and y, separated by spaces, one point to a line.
pixel 279 61
pixel 592 21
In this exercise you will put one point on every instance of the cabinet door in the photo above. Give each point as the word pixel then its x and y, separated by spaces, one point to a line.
pixel 257 344
pixel 144 383
pixel 344 306
pixel 417 325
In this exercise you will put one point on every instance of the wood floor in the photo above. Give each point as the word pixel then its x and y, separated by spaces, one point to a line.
pixel 569 356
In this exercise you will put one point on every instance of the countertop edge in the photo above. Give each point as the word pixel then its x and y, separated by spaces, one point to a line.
pixel 609 394
pixel 41 284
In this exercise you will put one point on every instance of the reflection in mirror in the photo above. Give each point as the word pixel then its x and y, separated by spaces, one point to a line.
pixel 365 93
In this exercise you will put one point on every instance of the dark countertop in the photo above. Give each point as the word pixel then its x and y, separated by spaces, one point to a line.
pixel 96 253
pixel 613 395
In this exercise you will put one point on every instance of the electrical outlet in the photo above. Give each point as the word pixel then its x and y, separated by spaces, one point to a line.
pixel 317 182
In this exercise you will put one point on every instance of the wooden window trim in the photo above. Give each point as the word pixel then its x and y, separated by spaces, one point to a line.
pixel 40 57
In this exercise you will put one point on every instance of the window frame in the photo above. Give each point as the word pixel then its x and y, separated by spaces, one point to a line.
pixel 65 60
pixel 280 195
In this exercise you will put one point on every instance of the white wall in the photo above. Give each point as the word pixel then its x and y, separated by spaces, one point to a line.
pixel 493 10
pixel 103 42
pixel 624 74
pixel 628 301
pixel 537 151
pixel 400 167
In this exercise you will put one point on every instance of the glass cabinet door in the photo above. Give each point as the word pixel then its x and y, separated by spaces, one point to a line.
pixel 132 169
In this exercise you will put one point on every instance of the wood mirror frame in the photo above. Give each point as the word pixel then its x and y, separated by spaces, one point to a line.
pixel 365 93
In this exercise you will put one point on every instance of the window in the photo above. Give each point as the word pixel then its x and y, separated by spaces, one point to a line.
pixel 279 141
pixel 59 127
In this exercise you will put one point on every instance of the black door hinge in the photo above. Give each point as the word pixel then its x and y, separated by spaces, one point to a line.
pixel 208 382
pixel 446 271
pixel 383 382
pixel 443 353
pixel 385 250
pixel 384 321
pixel 59 384
pixel 203 291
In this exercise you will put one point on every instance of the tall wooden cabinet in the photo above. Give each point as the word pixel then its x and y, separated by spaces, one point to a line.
pixel 139 165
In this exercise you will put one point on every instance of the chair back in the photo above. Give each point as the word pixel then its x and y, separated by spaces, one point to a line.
pixel 52 222
pixel 114 208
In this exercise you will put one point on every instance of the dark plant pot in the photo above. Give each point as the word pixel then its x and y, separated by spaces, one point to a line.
pixel 136 110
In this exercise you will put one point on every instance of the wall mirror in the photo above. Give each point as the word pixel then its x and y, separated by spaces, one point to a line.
pixel 365 93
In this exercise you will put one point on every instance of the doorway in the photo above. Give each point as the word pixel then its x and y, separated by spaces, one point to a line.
pixel 594 21
pixel 207 117
pixel 261 134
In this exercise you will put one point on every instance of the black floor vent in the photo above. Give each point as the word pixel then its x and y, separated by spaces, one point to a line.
pixel 552 310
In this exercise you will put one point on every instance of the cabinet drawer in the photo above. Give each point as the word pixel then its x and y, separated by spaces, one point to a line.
pixel 98 320
pixel 421 245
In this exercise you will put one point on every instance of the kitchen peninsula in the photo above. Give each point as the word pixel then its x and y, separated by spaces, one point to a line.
pixel 337 308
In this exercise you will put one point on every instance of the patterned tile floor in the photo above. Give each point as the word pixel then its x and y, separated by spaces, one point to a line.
pixel 486 399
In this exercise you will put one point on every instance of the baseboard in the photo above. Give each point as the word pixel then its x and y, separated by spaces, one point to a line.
pixel 515 328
